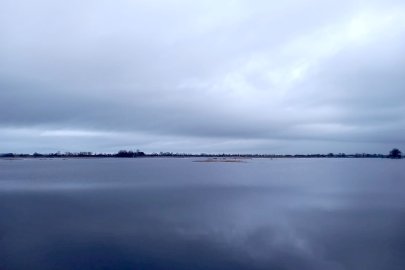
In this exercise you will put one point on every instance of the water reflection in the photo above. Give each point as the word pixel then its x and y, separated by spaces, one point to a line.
pixel 176 214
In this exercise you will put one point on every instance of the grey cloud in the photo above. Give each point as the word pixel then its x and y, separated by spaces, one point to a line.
pixel 235 71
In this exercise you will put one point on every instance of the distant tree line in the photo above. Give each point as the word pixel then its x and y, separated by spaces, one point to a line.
pixel 119 154
pixel 393 154
pixel 129 154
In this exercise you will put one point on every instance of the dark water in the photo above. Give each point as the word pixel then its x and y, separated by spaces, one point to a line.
pixel 178 214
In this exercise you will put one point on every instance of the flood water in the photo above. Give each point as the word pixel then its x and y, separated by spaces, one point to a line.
pixel 169 214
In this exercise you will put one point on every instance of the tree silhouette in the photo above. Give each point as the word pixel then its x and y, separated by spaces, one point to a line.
pixel 395 153
pixel 129 154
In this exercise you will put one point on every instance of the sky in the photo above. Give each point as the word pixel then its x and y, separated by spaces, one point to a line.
pixel 202 76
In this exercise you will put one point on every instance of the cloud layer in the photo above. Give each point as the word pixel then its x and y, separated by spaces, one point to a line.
pixel 202 76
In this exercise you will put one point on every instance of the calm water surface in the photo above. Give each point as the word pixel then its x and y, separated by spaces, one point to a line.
pixel 178 214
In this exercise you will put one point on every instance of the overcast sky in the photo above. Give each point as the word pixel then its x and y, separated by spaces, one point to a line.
pixel 248 76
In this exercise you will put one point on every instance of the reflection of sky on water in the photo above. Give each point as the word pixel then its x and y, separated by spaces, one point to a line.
pixel 177 214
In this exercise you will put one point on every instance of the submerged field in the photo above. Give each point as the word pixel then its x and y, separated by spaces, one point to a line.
pixel 178 214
